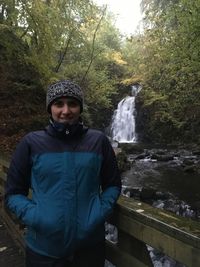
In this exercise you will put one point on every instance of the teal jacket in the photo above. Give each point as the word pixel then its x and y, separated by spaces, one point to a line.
pixel 74 182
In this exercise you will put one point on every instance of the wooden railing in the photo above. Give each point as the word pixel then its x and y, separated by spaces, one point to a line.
pixel 14 227
pixel 138 224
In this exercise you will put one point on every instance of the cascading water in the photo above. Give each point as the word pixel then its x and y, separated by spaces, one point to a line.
pixel 123 121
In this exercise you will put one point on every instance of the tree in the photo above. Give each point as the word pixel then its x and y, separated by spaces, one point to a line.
pixel 71 39
pixel 169 68
pixel 173 44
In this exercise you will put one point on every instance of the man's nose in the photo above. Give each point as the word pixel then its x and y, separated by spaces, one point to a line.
pixel 65 109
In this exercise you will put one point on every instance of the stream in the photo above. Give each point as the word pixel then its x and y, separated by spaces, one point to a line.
pixel 164 178
pixel 173 176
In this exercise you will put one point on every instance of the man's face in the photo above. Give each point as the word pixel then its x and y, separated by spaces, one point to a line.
pixel 65 110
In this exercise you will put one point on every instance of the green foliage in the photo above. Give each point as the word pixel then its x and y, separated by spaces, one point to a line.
pixel 78 40
pixel 15 62
pixel 168 67
pixel 69 39
pixel 22 97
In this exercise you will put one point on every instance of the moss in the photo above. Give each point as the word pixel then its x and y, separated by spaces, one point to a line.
pixel 122 161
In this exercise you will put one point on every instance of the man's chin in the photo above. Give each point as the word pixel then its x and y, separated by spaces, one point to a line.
pixel 69 122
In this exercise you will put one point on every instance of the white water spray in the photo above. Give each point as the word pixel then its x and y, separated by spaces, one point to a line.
pixel 123 121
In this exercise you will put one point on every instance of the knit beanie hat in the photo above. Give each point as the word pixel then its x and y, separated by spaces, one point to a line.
pixel 63 88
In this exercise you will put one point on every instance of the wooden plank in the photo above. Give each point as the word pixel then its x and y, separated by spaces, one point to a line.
pixel 4 160
pixel 134 247
pixel 137 221
pixel 120 258
pixel 14 229
pixel 185 229
pixel 10 255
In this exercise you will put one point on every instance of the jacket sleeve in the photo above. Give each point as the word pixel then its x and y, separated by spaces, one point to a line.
pixel 18 183
pixel 110 179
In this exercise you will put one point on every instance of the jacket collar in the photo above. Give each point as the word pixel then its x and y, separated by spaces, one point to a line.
pixel 66 131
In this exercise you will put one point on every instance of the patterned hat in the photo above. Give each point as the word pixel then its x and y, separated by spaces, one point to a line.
pixel 63 88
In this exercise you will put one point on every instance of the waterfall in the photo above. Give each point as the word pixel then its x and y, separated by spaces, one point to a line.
pixel 123 120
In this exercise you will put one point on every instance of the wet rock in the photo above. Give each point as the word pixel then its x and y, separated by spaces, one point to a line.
pixel 131 148
pixel 142 156
pixel 147 194
pixel 162 157
pixel 117 150
pixel 132 192
pixel 189 169
pixel 111 232
pixel 158 204
pixel 123 162
pixel 162 195
pixel 189 161
pixel 198 167
pixel 131 158
pixel 196 153
pixel 196 207
pixel 171 205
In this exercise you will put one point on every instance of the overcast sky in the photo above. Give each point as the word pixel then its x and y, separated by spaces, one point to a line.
pixel 127 13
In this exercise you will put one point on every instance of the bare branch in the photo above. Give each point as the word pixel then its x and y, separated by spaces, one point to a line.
pixel 65 52
pixel 93 46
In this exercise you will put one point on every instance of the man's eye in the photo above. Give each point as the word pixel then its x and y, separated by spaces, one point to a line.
pixel 58 103
pixel 72 104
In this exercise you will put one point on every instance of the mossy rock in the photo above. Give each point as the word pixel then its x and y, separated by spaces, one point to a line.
pixel 122 161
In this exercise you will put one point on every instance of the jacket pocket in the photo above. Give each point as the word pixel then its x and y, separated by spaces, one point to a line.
pixel 48 220
pixel 95 216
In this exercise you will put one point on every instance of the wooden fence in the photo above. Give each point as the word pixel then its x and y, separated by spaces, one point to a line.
pixel 138 224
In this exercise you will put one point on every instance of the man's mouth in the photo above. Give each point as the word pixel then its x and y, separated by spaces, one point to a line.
pixel 67 118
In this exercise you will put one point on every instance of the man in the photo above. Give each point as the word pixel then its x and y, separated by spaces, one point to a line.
pixel 75 182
